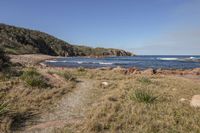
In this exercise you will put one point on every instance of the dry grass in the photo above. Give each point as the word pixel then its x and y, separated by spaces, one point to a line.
pixel 122 106
pixel 26 99
pixel 125 114
pixel 67 75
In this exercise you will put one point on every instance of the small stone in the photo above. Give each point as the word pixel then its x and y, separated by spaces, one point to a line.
pixel 182 100
pixel 105 83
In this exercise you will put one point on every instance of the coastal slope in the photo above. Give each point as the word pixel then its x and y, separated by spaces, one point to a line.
pixel 17 40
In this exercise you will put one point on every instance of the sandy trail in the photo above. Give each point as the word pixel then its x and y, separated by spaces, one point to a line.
pixel 69 110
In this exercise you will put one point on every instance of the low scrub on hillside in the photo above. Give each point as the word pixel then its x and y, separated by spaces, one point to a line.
pixel 16 40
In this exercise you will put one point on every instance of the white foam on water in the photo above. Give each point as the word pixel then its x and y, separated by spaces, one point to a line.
pixel 169 59
pixel 105 63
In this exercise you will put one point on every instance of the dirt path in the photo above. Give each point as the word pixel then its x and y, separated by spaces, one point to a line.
pixel 69 110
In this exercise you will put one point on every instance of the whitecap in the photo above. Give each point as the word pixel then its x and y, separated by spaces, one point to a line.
pixel 105 63
pixel 169 59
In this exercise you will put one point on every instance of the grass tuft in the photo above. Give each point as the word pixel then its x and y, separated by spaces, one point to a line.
pixel 144 80
pixel 144 96
pixel 3 108
pixel 34 79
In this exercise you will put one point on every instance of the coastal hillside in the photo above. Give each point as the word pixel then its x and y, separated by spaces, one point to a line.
pixel 16 40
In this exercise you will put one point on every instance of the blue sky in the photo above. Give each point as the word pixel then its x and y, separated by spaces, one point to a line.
pixel 141 26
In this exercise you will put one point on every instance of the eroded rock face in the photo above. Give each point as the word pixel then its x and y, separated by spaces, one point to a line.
pixel 195 101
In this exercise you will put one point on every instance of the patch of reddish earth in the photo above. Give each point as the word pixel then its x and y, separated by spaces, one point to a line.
pixel 69 111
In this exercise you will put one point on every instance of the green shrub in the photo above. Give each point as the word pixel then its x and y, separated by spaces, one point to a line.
pixel 34 79
pixel 144 80
pixel 145 96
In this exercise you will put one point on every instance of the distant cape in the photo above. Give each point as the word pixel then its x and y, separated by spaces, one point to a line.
pixel 17 40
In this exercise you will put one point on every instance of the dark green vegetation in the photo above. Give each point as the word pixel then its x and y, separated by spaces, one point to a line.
pixel 34 79
pixel 4 60
pixel 17 40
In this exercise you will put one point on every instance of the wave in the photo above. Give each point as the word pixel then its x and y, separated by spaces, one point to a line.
pixel 53 61
pixel 181 59
pixel 169 59
pixel 79 62
pixel 105 63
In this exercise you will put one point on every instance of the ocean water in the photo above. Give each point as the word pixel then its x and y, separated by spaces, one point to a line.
pixel 141 62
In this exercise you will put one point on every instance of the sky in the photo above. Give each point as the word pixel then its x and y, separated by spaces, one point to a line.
pixel 145 27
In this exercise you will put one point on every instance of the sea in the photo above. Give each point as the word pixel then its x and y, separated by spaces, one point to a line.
pixel 140 62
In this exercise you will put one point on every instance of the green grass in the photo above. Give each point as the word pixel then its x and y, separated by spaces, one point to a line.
pixel 68 76
pixel 145 96
pixel 3 108
pixel 34 79
pixel 144 80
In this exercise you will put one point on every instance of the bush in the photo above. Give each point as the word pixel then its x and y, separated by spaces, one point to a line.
pixel 145 96
pixel 4 60
pixel 34 79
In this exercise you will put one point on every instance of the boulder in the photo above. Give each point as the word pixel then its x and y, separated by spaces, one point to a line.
pixel 119 69
pixel 195 102
pixel 196 71
pixel 132 70
pixel 149 71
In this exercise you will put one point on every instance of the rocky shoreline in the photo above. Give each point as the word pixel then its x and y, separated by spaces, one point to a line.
pixel 38 59
pixel 150 71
